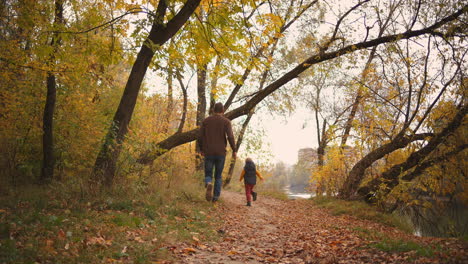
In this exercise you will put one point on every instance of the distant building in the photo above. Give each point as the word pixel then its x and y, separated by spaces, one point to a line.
pixel 307 157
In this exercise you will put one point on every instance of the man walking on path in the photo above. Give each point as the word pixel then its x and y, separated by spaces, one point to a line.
pixel 212 141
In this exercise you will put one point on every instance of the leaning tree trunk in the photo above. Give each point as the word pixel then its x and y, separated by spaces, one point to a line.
pixel 185 103
pixel 179 139
pixel 160 33
pixel 390 177
pixel 48 160
pixel 356 175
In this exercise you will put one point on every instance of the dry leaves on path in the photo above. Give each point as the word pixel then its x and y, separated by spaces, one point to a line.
pixel 274 231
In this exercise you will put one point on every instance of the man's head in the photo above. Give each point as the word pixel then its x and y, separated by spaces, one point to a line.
pixel 218 108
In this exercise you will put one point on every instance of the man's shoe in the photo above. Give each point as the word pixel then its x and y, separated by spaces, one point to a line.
pixel 254 195
pixel 214 199
pixel 248 204
pixel 209 192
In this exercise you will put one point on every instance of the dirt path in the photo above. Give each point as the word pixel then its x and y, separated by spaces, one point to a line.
pixel 275 231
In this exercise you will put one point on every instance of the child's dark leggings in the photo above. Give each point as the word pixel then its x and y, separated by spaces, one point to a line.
pixel 248 191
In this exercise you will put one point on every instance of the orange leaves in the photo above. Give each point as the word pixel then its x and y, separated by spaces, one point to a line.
pixel 296 232
pixel 49 247
pixel 61 235
pixel 189 250
pixel 99 241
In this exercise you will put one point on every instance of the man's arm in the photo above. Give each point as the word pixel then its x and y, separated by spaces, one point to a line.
pixel 200 138
pixel 230 137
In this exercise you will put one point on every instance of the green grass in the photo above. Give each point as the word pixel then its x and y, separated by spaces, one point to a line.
pixel 390 245
pixel 278 194
pixel 361 210
pixel 384 243
pixel 57 225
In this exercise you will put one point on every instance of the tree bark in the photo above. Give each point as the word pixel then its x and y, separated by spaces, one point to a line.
pixel 240 138
pixel 185 103
pixel 179 139
pixel 201 92
pixel 160 33
pixel 390 177
pixel 170 99
pixel 322 140
pixel 201 108
pixel 48 160
pixel 356 175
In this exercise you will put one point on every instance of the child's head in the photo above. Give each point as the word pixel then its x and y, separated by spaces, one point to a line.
pixel 249 164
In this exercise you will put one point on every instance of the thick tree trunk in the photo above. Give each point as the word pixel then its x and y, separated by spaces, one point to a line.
pixel 356 175
pixel 390 177
pixel 201 108
pixel 48 160
pixel 179 139
pixel 106 161
pixel 201 93
pixel 105 165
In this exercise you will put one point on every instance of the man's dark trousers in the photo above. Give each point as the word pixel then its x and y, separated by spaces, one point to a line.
pixel 216 163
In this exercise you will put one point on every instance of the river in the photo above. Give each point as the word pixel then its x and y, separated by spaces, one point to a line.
pixel 293 194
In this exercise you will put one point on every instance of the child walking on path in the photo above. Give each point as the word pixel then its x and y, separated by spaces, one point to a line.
pixel 249 175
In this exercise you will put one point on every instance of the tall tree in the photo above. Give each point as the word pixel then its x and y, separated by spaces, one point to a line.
pixel 160 33
pixel 323 54
pixel 48 160
pixel 409 108
pixel 390 178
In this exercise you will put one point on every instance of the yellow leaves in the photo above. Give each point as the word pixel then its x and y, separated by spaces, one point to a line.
pixel 275 19
pixel 333 173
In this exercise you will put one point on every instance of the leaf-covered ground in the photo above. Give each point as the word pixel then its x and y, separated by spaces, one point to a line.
pixel 276 231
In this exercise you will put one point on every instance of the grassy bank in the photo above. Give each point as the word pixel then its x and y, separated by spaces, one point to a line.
pixel 386 242
pixel 138 224
pixel 362 210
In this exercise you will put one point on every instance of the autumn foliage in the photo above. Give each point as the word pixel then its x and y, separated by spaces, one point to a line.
pixel 100 96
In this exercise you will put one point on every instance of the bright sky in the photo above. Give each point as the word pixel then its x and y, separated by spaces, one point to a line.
pixel 286 135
